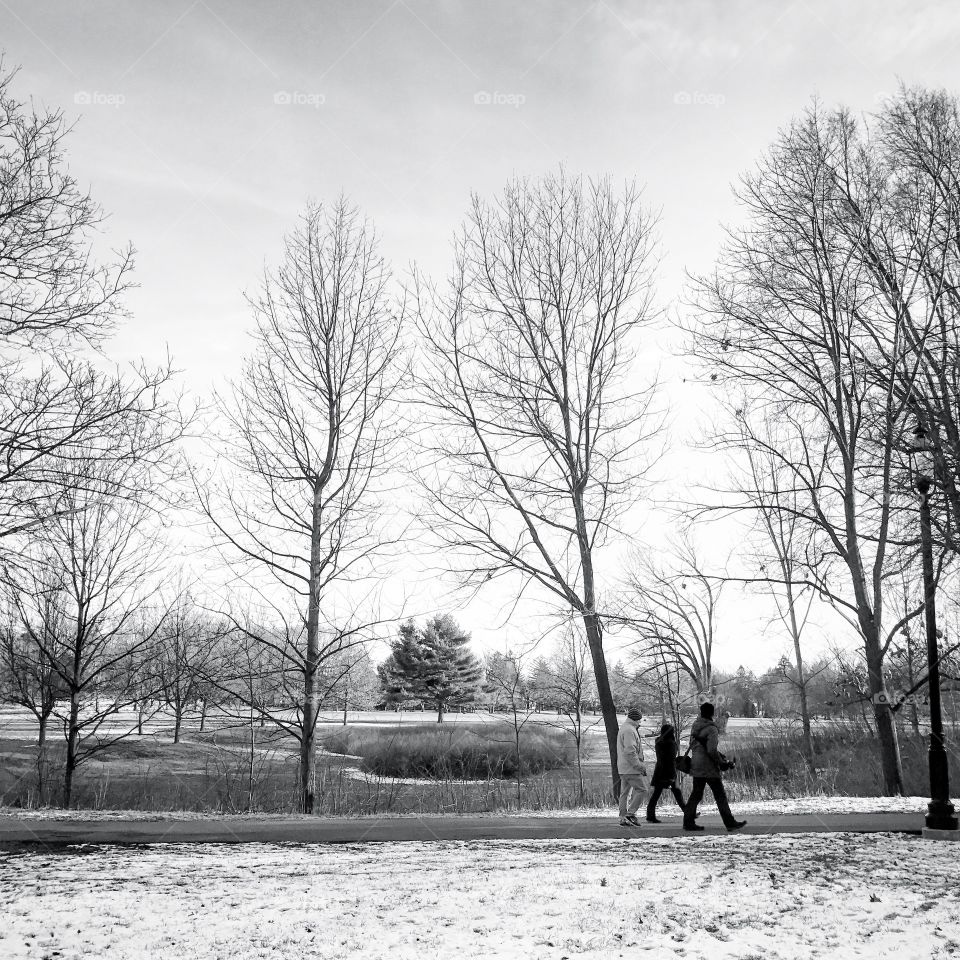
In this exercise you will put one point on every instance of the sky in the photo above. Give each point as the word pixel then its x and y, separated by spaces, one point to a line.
pixel 203 127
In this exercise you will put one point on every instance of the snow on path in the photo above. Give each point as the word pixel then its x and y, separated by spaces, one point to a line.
pixel 789 897
pixel 667 809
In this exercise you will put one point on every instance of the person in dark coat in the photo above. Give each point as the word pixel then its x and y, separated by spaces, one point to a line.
pixel 665 772
pixel 707 764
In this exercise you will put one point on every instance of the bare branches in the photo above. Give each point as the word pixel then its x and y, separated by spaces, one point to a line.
pixel 538 437
pixel 311 432
pixel 673 608
pixel 50 285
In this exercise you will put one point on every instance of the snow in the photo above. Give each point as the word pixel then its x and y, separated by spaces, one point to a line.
pixel 770 897
pixel 667 810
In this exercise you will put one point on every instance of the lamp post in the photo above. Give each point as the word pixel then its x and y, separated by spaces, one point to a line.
pixel 940 815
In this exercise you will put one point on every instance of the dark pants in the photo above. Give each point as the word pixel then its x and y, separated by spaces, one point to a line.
pixel 657 793
pixel 719 794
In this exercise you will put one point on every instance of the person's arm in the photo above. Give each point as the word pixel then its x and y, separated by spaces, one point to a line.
pixel 712 746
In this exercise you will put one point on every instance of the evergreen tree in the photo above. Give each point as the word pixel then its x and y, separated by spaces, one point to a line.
pixel 432 666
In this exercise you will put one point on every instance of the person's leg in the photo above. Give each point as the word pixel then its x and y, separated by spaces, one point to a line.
pixel 652 804
pixel 624 790
pixel 723 805
pixel 696 795
pixel 678 796
pixel 636 796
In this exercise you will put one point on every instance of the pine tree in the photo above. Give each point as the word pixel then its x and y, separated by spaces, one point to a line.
pixel 433 666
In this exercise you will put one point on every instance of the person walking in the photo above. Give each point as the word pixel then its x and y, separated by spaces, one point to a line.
pixel 632 769
pixel 706 766
pixel 665 771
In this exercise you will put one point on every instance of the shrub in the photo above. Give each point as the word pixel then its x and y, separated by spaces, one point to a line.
pixel 456 751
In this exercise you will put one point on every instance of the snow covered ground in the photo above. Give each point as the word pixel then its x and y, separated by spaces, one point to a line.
pixel 667 810
pixel 782 896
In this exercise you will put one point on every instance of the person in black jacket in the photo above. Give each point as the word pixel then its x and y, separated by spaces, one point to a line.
pixel 665 772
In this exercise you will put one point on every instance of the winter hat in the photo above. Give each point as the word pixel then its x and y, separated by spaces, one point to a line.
pixel 634 714
pixel 706 711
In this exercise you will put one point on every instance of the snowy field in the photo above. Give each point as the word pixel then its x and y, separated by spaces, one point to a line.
pixel 752 898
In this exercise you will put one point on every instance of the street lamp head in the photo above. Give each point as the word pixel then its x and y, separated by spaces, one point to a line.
pixel 921 460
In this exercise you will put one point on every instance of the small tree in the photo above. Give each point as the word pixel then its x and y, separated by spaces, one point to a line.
pixel 184 656
pixel 570 684
pixel 432 666
pixel 506 680
pixel 98 559
pixel 30 679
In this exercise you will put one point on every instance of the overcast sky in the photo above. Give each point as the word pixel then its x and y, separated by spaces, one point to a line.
pixel 203 126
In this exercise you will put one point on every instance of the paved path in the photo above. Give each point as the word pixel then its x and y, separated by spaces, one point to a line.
pixel 15 831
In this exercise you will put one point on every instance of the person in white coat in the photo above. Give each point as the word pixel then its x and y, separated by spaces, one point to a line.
pixel 632 769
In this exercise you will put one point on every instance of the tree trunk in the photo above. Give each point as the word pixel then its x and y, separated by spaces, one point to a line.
pixel 308 753
pixel 591 623
pixel 42 757
pixel 884 719
pixel 73 737
pixel 203 716
pixel 177 720
pixel 440 712
pixel 805 719
pixel 252 760
pixel 308 757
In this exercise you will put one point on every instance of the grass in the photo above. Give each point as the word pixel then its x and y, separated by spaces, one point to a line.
pixel 426 768
pixel 459 752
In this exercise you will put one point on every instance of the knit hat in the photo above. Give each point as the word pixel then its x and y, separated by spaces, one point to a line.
pixel 634 714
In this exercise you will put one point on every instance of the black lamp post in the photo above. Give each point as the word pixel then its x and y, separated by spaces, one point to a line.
pixel 940 814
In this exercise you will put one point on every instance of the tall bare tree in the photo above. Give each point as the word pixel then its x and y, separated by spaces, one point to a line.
pixel 795 326
pixel 300 506
pixel 536 415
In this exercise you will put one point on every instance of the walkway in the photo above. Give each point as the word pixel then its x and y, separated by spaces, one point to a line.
pixel 15 831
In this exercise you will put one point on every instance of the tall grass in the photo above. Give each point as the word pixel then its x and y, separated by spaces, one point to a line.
pixel 431 769
pixel 461 751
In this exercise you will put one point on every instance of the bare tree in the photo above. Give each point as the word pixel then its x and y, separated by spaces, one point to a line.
pixel 55 302
pixel 569 684
pixel 673 607
pixel 506 681
pixel 184 654
pixel 778 513
pixel 96 563
pixel 29 678
pixel 534 412
pixel 795 326
pixel 300 507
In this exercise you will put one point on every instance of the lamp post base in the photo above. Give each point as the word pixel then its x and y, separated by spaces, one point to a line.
pixel 929 834
pixel 941 817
